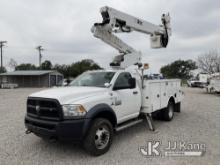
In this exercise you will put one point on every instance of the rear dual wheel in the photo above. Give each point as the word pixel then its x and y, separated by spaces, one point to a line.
pixel 168 113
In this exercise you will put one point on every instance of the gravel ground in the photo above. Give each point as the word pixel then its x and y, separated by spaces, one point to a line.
pixel 199 122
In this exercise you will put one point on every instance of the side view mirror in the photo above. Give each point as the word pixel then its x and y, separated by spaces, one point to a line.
pixel 132 82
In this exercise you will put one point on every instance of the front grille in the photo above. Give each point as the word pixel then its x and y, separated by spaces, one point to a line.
pixel 44 108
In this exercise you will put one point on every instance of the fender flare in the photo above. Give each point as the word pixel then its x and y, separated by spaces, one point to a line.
pixel 99 109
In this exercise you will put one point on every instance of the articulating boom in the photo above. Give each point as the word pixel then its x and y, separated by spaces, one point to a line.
pixel 115 21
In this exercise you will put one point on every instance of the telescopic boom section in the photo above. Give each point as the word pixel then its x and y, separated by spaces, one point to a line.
pixel 115 21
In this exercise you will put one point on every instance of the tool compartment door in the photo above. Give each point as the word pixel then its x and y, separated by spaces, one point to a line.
pixel 155 95
pixel 164 94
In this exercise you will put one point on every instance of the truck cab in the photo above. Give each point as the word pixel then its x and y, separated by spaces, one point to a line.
pixel 90 109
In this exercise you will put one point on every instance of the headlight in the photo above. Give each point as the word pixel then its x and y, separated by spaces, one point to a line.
pixel 70 110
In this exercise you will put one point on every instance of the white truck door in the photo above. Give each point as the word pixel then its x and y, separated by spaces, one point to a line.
pixel 127 100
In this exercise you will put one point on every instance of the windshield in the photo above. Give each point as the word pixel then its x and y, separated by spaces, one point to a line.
pixel 94 79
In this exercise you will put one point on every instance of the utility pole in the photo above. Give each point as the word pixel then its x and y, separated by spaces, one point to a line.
pixel 39 48
pixel 1 46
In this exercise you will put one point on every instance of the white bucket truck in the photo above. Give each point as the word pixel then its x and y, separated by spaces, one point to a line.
pixel 98 103
pixel 214 83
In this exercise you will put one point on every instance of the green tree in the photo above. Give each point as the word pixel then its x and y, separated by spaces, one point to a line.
pixel 178 69
pixel 26 66
pixel 3 70
pixel 72 70
pixel 46 65
pixel 82 66
pixel 62 69
pixel 75 69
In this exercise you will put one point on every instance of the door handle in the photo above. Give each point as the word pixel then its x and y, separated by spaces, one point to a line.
pixel 135 92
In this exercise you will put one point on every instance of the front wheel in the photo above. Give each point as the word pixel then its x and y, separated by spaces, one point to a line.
pixel 99 137
pixel 168 113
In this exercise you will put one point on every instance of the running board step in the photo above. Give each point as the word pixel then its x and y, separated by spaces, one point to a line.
pixel 128 124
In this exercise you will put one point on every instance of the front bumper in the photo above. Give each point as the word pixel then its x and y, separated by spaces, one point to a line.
pixel 61 130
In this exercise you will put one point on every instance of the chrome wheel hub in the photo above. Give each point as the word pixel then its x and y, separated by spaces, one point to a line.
pixel 102 137
pixel 170 113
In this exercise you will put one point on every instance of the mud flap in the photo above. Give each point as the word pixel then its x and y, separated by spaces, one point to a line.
pixel 177 107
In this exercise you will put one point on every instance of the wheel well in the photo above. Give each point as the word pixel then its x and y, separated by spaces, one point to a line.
pixel 172 100
pixel 107 115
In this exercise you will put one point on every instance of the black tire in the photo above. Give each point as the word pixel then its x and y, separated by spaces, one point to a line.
pixel 168 112
pixel 99 137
